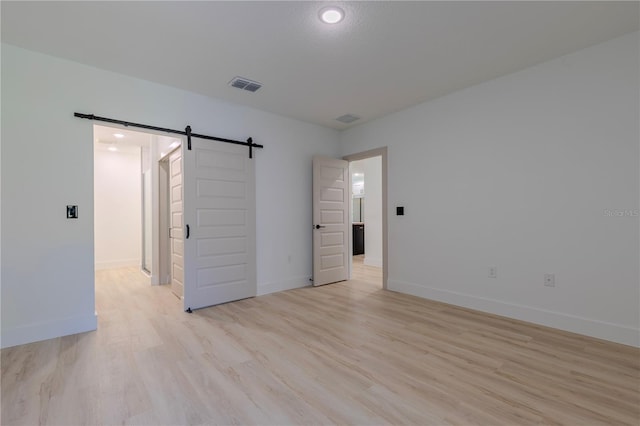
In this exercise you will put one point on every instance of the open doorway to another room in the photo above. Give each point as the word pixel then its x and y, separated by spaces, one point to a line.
pixel 366 218
pixel 118 195
pixel 126 204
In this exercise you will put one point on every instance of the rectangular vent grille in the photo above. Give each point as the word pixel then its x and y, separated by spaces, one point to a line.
pixel 348 118
pixel 245 84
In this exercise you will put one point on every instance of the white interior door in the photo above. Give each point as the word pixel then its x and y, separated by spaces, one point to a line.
pixel 219 210
pixel 330 220
pixel 176 229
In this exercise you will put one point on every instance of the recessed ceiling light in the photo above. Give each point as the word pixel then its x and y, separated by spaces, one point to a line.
pixel 112 148
pixel 331 15
pixel 118 135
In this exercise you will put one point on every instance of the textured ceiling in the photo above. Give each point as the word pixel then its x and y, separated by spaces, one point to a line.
pixel 383 57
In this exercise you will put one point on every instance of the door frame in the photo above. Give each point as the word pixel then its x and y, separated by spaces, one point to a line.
pixel 163 262
pixel 377 152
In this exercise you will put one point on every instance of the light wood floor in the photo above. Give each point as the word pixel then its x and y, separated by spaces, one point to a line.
pixel 367 273
pixel 346 353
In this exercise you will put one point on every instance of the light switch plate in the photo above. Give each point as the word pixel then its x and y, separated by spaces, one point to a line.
pixel 72 212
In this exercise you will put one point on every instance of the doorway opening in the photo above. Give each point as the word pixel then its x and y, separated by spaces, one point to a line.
pixel 127 232
pixel 368 213
pixel 209 228
pixel 366 219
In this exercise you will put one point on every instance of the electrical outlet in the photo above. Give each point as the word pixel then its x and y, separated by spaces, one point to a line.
pixel 493 272
pixel 549 280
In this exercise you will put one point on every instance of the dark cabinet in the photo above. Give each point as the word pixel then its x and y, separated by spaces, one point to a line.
pixel 358 238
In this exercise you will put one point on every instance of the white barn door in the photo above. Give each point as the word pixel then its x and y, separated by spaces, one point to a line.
pixel 331 222
pixel 220 223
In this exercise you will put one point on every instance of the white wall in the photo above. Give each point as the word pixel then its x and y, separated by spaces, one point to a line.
pixel 517 173
pixel 117 204
pixel 47 163
pixel 373 211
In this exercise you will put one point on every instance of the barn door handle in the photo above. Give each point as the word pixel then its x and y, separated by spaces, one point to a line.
pixel 187 237
pixel 320 226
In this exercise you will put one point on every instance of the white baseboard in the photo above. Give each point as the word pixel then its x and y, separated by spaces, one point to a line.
pixel 121 263
pixel 372 261
pixel 48 330
pixel 602 330
pixel 289 284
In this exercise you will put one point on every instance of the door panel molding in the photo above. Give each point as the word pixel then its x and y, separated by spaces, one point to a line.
pixel 220 209
pixel 176 209
pixel 331 222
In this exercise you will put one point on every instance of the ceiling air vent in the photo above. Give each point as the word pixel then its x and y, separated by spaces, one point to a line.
pixel 347 118
pixel 245 84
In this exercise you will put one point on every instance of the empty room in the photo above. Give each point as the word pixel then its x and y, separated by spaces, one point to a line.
pixel 291 213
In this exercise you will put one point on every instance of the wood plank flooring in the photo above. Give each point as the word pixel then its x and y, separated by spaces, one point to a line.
pixel 346 353
pixel 362 272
